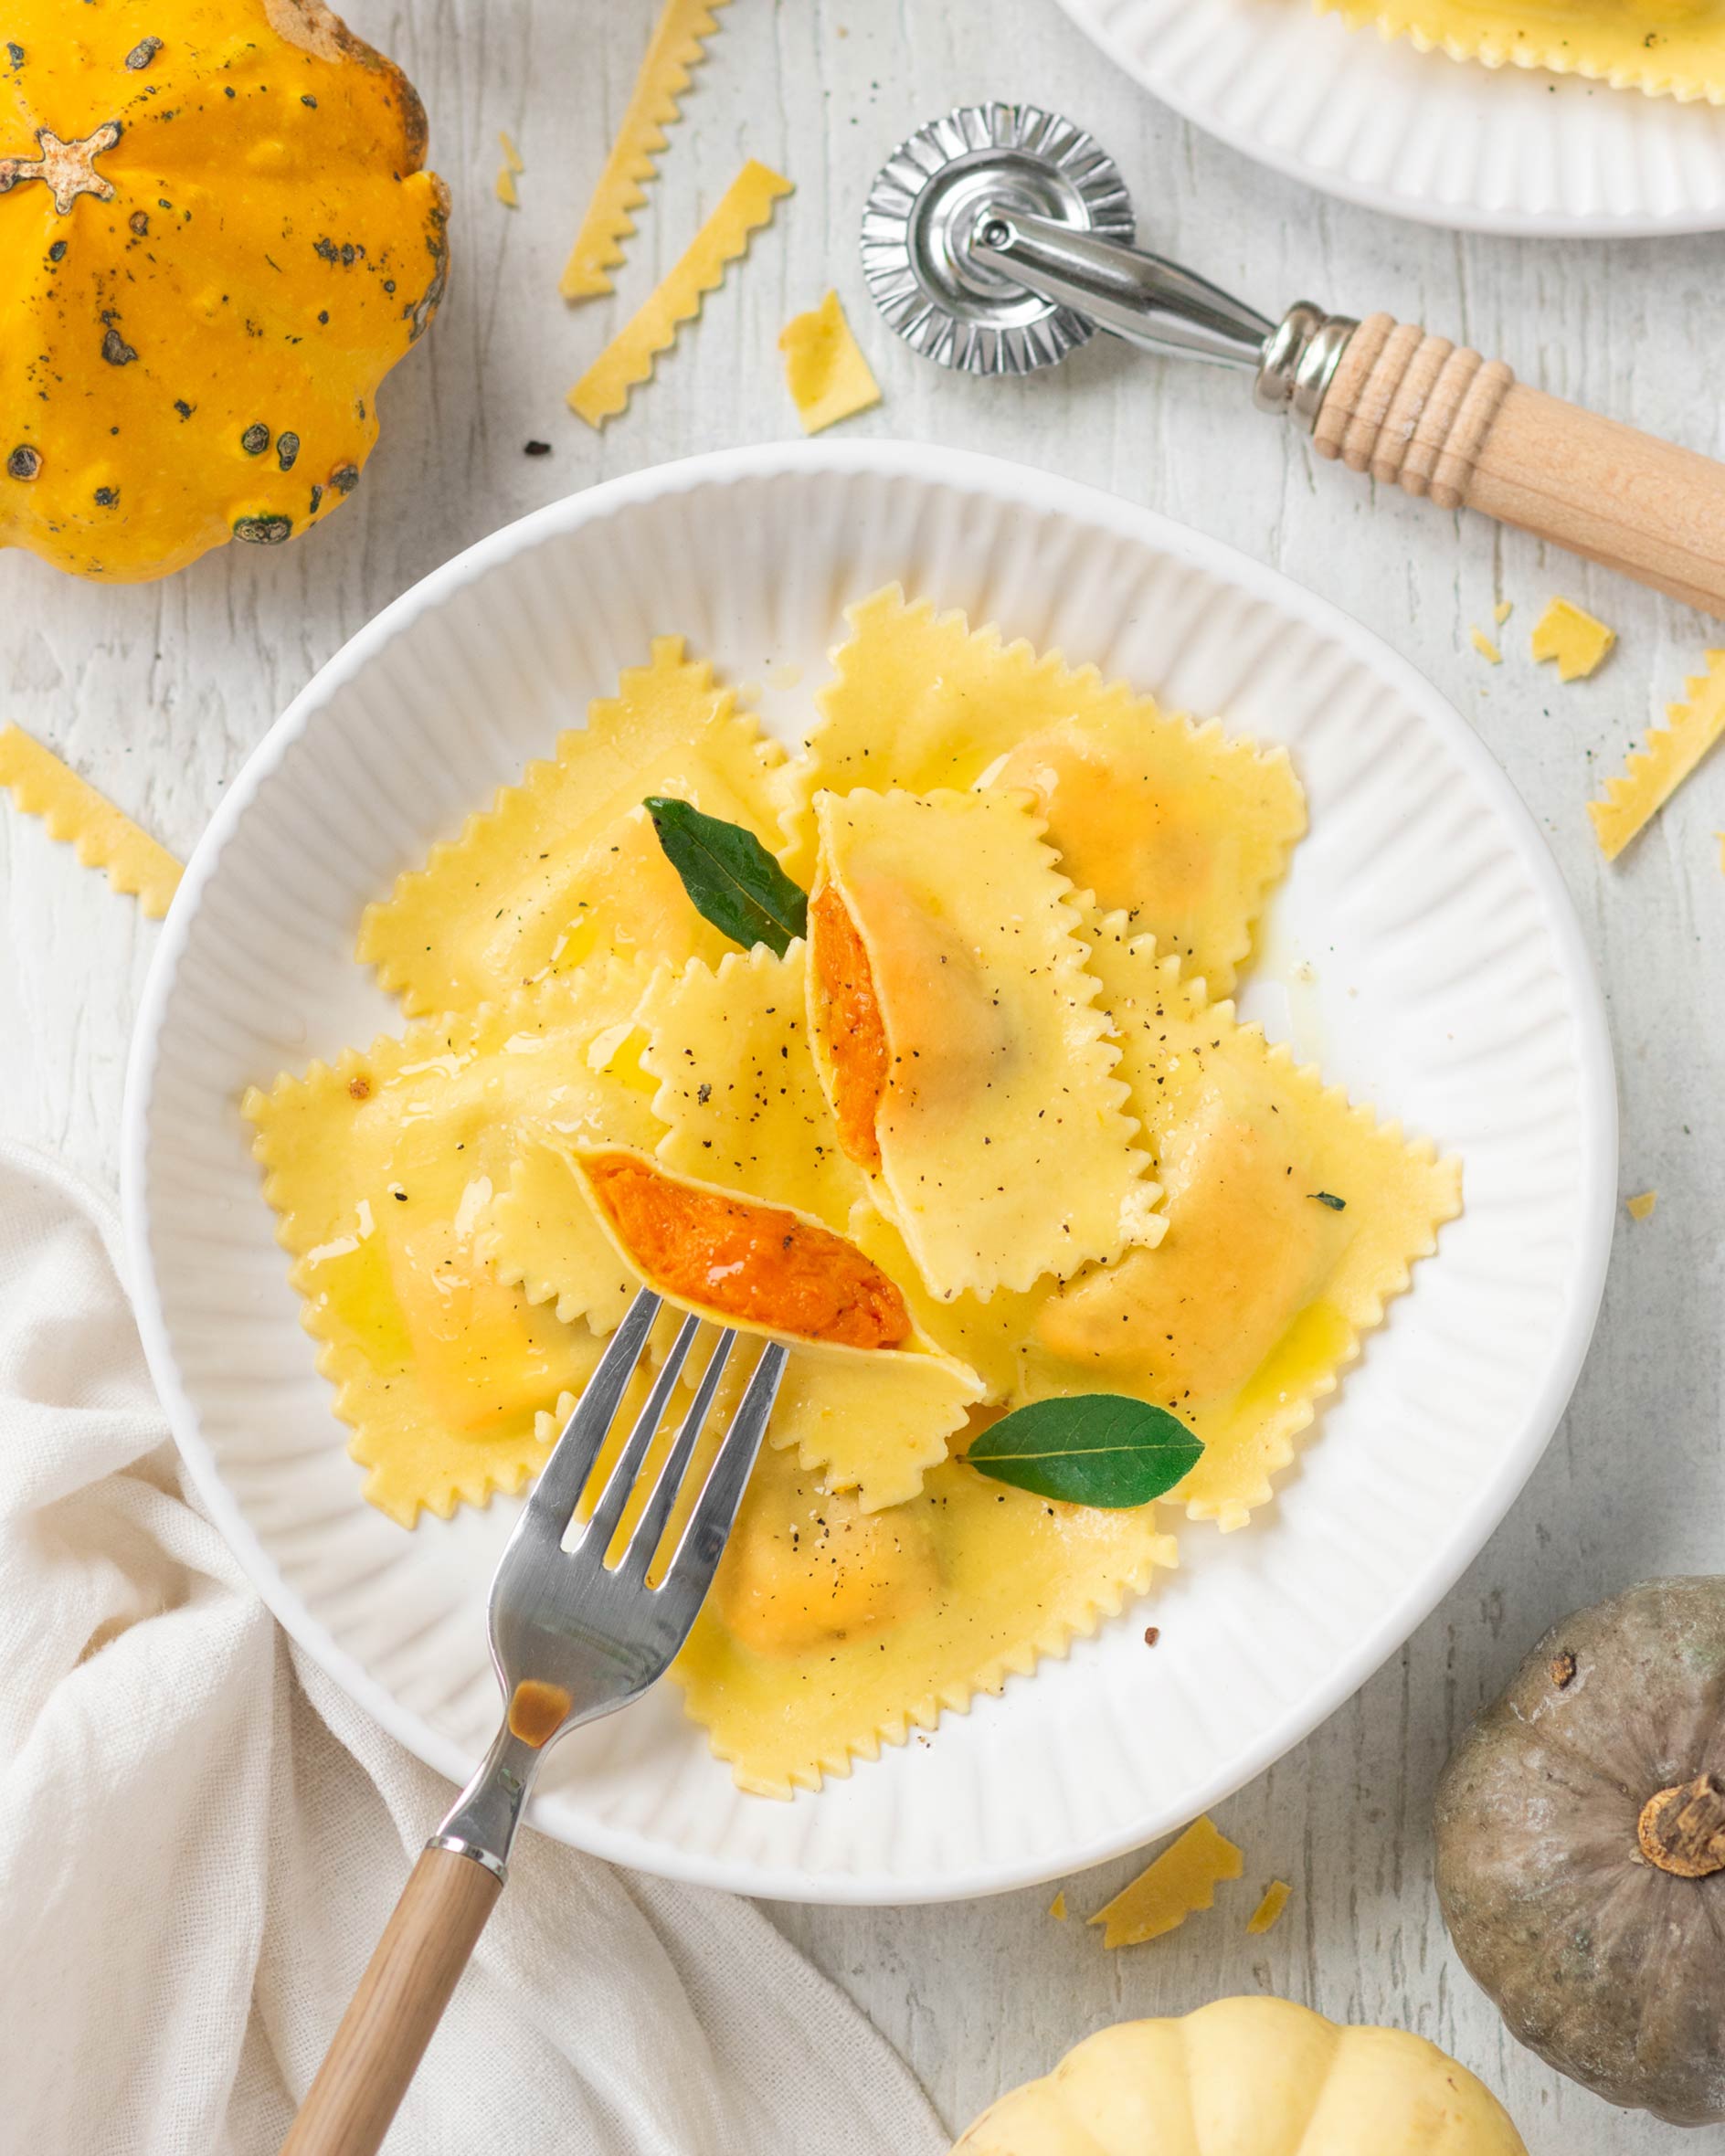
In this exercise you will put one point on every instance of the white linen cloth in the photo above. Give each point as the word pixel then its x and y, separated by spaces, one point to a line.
pixel 201 1838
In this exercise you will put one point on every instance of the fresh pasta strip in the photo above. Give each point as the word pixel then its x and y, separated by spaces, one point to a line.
pixel 567 863
pixel 678 46
pixel 384 1168
pixel 738 1090
pixel 956 1035
pixel 1674 47
pixel 1182 825
pixel 825 371
pixel 628 360
pixel 1653 773
pixel 1180 1882
pixel 865 1400
pixel 831 1630
pixel 1292 1217
pixel 102 835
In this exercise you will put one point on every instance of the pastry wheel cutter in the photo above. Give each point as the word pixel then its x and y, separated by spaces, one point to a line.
pixel 999 238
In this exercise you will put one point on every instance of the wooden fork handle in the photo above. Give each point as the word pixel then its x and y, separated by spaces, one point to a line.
pixel 382 2038
pixel 1439 420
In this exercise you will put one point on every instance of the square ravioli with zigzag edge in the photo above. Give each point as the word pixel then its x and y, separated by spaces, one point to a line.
pixel 1293 1216
pixel 1663 50
pixel 958 1041
pixel 830 1630
pixel 1182 826
pixel 566 864
pixel 384 1168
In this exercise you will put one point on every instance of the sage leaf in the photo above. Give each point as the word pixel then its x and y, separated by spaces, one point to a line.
pixel 732 880
pixel 1102 1449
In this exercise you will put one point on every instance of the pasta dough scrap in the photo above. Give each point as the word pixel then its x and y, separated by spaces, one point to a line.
pixel 1577 641
pixel 825 371
pixel 1003 1153
pixel 1292 1217
pixel 1486 650
pixel 567 862
pixel 1653 773
pixel 1673 48
pixel 869 1419
pixel 1182 824
pixel 1268 1913
pixel 384 1168
pixel 102 835
pixel 628 360
pixel 1182 1881
pixel 830 1631
pixel 1641 1208
pixel 676 48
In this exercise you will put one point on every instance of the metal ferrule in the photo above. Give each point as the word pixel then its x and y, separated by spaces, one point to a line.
pixel 1299 363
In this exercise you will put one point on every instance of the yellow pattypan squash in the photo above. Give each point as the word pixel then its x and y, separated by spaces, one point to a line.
pixel 217 237
pixel 1249 2078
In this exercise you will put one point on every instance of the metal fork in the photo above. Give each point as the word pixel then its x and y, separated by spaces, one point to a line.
pixel 571 1639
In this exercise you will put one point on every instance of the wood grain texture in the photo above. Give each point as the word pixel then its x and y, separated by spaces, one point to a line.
pixel 157 693
pixel 1437 419
pixel 409 1980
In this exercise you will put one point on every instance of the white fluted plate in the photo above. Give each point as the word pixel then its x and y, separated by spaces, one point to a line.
pixel 1449 985
pixel 1375 121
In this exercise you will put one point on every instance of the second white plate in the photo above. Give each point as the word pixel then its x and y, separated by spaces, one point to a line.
pixel 1452 143
pixel 1441 975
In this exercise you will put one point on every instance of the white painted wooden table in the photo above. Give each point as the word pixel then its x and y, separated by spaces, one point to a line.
pixel 158 693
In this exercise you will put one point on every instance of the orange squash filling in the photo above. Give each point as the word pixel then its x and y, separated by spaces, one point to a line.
pixel 852 1034
pixel 758 1262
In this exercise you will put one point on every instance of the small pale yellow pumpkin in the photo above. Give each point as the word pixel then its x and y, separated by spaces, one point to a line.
pixel 217 237
pixel 1249 2078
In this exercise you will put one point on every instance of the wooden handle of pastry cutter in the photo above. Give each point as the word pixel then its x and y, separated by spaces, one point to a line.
pixel 382 2038
pixel 1438 420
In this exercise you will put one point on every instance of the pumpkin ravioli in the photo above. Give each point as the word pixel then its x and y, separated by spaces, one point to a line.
pixel 866 1400
pixel 741 1103
pixel 1181 825
pixel 958 1041
pixel 384 1168
pixel 1293 1217
pixel 831 1630
pixel 567 863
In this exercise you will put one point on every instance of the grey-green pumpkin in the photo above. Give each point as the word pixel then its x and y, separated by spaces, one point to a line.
pixel 1581 1849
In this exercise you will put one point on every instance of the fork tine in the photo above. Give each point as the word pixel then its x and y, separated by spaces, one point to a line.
pixel 620 1483
pixel 563 1477
pixel 651 1527
pixel 702 1544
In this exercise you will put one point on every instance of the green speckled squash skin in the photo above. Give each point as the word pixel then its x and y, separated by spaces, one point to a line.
pixel 217 237
pixel 1609 1966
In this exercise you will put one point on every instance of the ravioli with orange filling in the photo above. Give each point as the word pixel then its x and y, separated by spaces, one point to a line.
pixel 831 1630
pixel 957 1039
pixel 566 864
pixel 1182 825
pixel 385 1169
pixel 1293 1217
pixel 742 1106
pixel 866 1399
